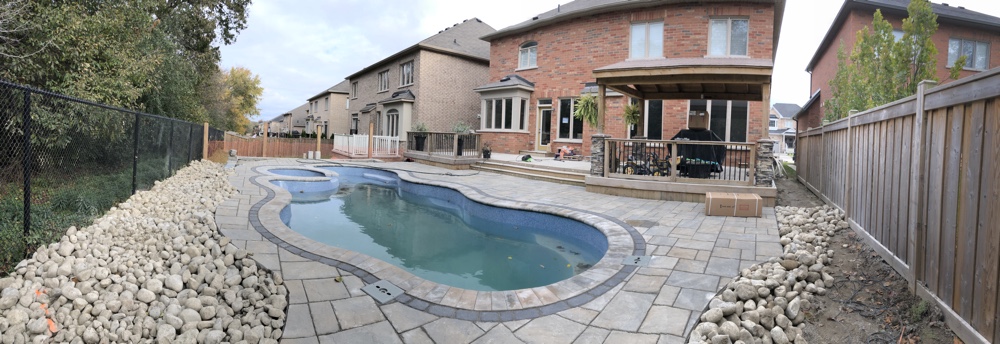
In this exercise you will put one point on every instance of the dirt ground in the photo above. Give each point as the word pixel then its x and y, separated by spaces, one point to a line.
pixel 870 302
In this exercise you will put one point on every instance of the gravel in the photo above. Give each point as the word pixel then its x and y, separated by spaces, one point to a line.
pixel 771 299
pixel 154 268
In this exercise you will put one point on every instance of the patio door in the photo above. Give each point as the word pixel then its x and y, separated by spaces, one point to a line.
pixel 544 129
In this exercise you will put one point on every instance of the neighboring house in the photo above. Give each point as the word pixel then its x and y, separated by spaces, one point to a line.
pixel 429 82
pixel 329 109
pixel 960 32
pixel 673 57
pixel 291 123
pixel 781 126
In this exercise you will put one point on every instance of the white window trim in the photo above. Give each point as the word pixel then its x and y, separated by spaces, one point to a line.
pixel 646 55
pixel 354 90
pixel 558 112
pixel 515 119
pixel 521 49
pixel 729 36
pixel 402 71
pixel 379 79
pixel 729 116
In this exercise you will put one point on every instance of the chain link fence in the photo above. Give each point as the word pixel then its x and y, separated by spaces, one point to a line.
pixel 66 161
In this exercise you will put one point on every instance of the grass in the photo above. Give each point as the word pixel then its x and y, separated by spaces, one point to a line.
pixel 789 171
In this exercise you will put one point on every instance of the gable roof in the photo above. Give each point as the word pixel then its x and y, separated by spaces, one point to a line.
pixel 510 81
pixel 399 96
pixel 786 110
pixel 954 15
pixel 460 40
pixel 580 8
pixel 343 87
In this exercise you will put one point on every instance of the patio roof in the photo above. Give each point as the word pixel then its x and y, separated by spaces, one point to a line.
pixel 689 78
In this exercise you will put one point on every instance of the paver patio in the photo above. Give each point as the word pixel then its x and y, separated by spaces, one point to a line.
pixel 693 256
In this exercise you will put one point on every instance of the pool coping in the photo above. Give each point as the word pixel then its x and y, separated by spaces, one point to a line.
pixel 443 300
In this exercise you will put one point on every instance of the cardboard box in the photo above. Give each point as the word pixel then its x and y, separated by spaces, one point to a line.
pixel 697 120
pixel 733 204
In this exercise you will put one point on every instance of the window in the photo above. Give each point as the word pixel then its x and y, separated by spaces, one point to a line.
pixel 728 37
pixel 647 40
pixel 569 126
pixel 727 118
pixel 392 122
pixel 499 113
pixel 528 57
pixel 406 74
pixel 383 81
pixel 653 120
pixel 354 124
pixel 524 111
pixel 326 103
pixel 897 34
pixel 354 90
pixel 978 53
pixel 772 124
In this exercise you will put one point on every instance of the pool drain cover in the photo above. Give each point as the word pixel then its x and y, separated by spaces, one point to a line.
pixel 382 291
pixel 637 260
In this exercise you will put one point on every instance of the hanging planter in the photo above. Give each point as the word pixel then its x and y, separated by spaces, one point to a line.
pixel 586 110
pixel 632 112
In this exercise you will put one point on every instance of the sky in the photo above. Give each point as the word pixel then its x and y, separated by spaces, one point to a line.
pixel 301 50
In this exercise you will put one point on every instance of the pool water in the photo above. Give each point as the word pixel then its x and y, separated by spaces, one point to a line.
pixel 438 234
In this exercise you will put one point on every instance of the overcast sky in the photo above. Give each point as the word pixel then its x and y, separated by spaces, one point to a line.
pixel 303 47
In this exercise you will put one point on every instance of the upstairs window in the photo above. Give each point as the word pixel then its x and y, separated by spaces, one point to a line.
pixel 977 53
pixel 528 56
pixel 354 90
pixel 383 81
pixel 326 103
pixel 728 37
pixel 406 74
pixel 646 40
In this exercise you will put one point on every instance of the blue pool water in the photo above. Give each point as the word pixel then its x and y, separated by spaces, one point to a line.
pixel 293 172
pixel 439 234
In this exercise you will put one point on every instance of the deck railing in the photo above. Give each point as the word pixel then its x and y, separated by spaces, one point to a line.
pixel 357 145
pixel 445 144
pixel 705 162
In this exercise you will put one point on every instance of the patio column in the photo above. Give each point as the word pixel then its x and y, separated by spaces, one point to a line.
pixel 766 102
pixel 601 108
pixel 764 171
pixel 597 154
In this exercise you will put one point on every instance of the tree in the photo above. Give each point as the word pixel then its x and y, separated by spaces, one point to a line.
pixel 244 94
pixel 881 69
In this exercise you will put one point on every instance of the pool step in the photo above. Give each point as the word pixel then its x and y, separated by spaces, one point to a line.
pixel 555 175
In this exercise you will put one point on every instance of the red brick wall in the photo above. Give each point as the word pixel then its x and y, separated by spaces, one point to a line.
pixel 826 68
pixel 568 52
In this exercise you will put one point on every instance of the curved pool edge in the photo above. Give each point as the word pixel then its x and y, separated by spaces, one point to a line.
pixel 444 300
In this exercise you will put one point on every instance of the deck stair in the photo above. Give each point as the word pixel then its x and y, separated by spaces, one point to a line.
pixel 533 171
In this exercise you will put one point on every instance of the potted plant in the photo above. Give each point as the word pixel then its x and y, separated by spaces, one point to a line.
pixel 420 137
pixel 460 128
pixel 487 151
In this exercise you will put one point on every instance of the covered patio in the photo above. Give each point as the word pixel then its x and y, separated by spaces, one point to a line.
pixel 663 169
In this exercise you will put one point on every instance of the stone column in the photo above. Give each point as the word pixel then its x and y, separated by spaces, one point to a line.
pixel 597 154
pixel 764 174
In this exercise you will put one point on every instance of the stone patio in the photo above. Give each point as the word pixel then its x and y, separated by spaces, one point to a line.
pixel 693 256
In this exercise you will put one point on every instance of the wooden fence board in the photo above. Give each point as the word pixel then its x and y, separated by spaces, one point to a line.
pixel 949 209
pixel 988 232
pixel 885 179
pixel 972 143
pixel 937 126
pixel 893 219
pixel 906 153
pixel 878 184
pixel 869 170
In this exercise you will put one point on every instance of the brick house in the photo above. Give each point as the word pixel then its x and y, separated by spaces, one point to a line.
pixel 329 109
pixel 289 123
pixel 961 31
pixel 428 83
pixel 672 57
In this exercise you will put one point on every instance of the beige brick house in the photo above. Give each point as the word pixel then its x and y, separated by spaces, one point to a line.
pixel 329 109
pixel 429 82
pixel 714 57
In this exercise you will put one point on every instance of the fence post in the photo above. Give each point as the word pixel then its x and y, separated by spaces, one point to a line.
pixel 916 222
pixel 371 138
pixel 319 136
pixel 135 154
pixel 849 152
pixel 267 134
pixel 190 140
pixel 26 164
pixel 204 141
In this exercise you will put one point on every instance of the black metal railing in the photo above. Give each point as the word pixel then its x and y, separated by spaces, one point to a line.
pixel 681 160
pixel 67 160
pixel 444 144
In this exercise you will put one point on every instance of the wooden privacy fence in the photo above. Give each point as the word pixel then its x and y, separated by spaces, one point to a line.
pixel 276 147
pixel 920 180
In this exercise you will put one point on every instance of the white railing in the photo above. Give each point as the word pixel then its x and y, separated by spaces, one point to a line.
pixel 357 145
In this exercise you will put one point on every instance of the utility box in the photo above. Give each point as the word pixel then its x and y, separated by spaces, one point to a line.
pixel 733 204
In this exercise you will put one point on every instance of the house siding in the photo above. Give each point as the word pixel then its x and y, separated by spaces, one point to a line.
pixel 569 51
pixel 368 89
pixel 826 67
